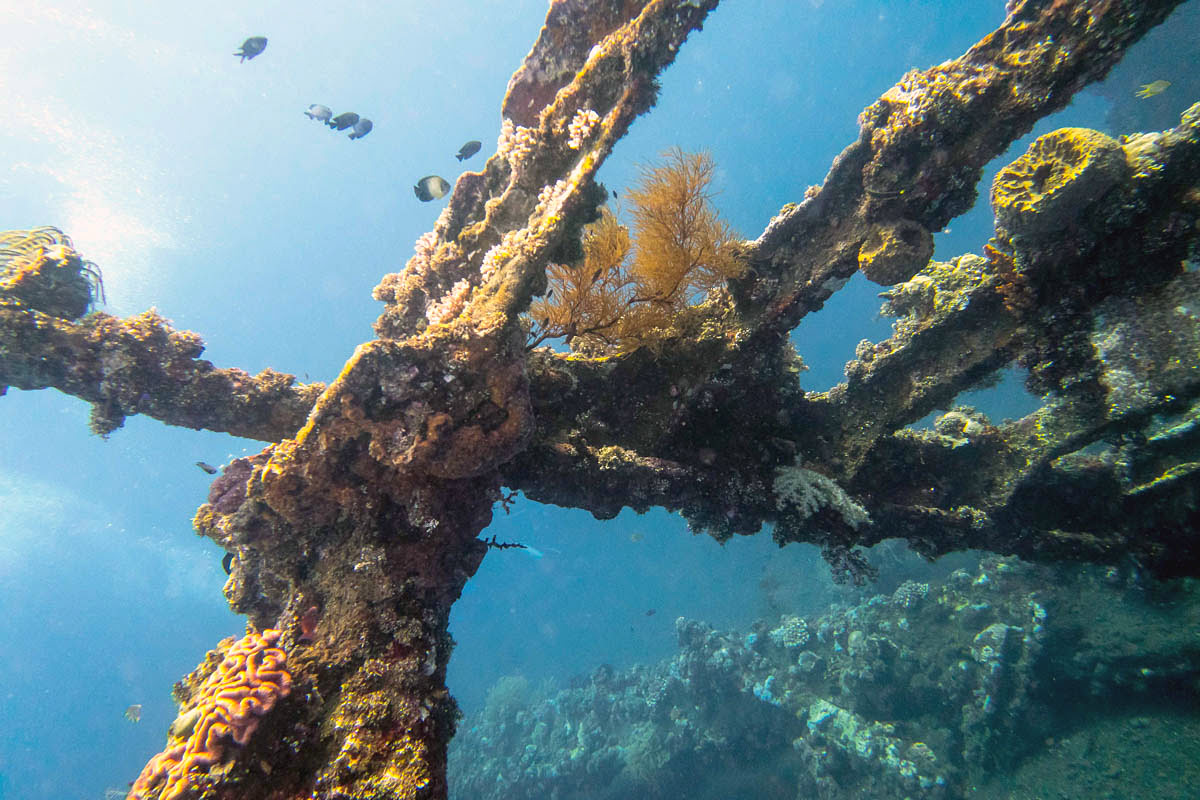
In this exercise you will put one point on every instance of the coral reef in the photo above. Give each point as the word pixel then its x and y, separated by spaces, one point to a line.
pixel 371 512
pixel 138 365
pixel 368 504
pixel 961 322
pixel 229 703
pixel 920 693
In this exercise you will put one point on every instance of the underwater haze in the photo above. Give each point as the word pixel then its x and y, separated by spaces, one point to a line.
pixel 195 181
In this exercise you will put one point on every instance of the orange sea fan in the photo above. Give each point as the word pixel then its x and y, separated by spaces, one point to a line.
pixel 626 286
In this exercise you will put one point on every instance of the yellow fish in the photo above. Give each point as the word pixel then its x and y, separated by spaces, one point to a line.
pixel 1151 89
pixel 134 713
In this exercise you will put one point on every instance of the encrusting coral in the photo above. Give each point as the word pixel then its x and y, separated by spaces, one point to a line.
pixel 227 706
pixel 141 365
pixel 891 251
pixel 1050 185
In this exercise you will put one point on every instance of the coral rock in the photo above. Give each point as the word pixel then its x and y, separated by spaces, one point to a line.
pixel 1060 174
pixel 229 704
pixel 894 252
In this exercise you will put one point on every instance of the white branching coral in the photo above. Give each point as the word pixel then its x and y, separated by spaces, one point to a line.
pixel 808 492
pixel 515 142
pixel 551 194
pixel 423 252
pixel 426 244
pixel 451 304
pixel 498 254
pixel 492 260
pixel 548 192
pixel 581 127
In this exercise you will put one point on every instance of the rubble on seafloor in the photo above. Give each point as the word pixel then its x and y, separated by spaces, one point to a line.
pixel 923 693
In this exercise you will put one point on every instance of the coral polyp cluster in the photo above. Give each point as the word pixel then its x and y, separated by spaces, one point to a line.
pixel 229 704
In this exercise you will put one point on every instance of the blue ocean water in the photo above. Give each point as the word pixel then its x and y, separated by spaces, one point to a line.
pixel 199 187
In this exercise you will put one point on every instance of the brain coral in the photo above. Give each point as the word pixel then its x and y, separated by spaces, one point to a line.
pixel 228 705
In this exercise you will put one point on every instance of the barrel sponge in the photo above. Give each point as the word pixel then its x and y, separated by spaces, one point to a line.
pixel 1060 174
pixel 895 251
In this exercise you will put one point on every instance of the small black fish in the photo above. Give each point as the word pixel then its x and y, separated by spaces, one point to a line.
pixel 209 468
pixel 361 128
pixel 431 187
pixel 343 121
pixel 650 612
pixel 252 47
pixel 469 149
pixel 227 563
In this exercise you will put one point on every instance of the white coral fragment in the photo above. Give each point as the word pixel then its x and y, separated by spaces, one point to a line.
pixel 516 143
pixel 451 305
pixel 581 127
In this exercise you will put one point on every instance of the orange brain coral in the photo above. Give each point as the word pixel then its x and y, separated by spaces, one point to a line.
pixel 229 705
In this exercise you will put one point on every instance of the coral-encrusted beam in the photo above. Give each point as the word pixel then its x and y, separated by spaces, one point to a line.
pixel 923 145
pixel 371 513
pixel 140 365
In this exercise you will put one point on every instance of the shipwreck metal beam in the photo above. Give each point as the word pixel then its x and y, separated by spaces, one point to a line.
pixel 141 365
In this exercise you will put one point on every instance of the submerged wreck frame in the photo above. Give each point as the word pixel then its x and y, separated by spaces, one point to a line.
pixel 356 529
